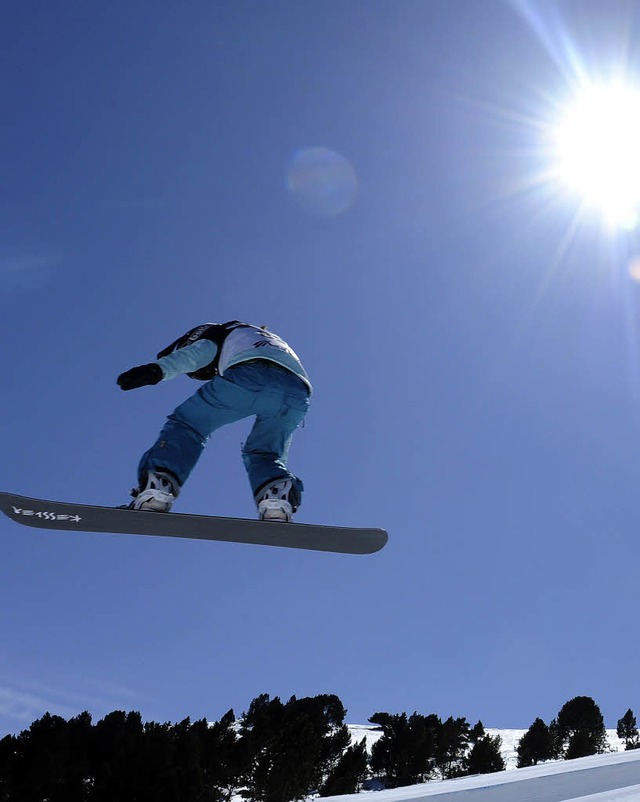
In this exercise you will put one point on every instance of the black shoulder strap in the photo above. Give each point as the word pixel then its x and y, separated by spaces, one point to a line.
pixel 216 332
pixel 198 333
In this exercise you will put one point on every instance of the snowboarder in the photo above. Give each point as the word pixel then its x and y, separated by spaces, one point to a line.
pixel 248 371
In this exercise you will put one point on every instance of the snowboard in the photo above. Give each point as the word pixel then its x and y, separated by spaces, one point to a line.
pixel 113 520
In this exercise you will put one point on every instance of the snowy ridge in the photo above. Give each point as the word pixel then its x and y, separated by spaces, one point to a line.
pixel 612 777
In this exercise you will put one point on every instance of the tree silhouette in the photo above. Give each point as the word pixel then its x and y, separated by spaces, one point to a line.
pixel 45 767
pixel 452 741
pixel 579 729
pixel 349 773
pixel 485 756
pixel 406 753
pixel 476 733
pixel 535 745
pixel 628 730
pixel 289 749
pixel 278 752
pixel 8 754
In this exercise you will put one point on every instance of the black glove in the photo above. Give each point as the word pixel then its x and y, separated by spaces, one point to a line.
pixel 140 376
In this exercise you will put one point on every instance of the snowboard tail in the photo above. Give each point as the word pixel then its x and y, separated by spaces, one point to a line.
pixel 45 514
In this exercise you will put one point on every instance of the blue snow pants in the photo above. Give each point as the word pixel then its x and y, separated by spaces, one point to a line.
pixel 276 396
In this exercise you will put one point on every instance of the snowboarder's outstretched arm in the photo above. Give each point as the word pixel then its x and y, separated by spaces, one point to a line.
pixel 184 360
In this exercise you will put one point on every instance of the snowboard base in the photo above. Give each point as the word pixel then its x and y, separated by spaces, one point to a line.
pixel 113 520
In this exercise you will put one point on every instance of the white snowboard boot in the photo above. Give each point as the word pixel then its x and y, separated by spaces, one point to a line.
pixel 159 493
pixel 277 501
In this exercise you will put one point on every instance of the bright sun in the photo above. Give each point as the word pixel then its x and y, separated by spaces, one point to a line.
pixel 598 151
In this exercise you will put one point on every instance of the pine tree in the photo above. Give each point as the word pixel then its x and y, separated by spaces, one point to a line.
pixel 349 772
pixel 485 756
pixel 289 749
pixel 117 747
pixel 452 741
pixel 8 757
pixel 159 773
pixel 579 729
pixel 581 744
pixel 535 745
pixel 628 730
pixel 477 732
pixel 79 772
pixel 42 760
pixel 405 754
pixel 222 760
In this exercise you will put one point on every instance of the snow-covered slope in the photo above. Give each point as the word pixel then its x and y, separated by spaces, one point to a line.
pixel 612 777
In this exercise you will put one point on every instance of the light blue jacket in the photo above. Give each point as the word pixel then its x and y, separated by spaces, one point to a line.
pixel 203 352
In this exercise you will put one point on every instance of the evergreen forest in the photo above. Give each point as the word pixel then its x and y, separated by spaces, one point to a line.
pixel 274 752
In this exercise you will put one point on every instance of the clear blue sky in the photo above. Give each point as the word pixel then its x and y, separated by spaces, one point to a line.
pixel 475 362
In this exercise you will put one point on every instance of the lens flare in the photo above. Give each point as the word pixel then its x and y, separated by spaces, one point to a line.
pixel 634 268
pixel 321 181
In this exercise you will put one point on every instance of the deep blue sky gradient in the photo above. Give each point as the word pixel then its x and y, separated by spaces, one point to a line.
pixel 475 359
